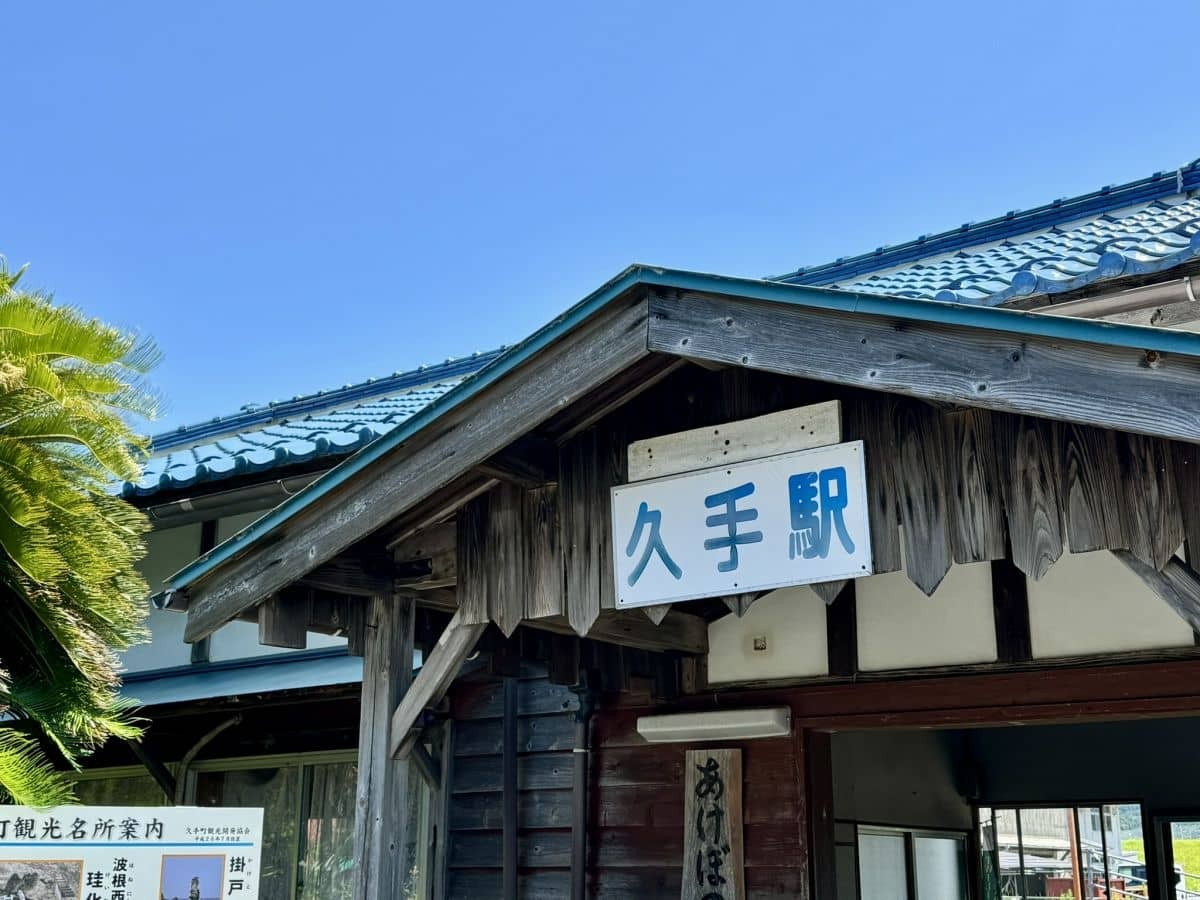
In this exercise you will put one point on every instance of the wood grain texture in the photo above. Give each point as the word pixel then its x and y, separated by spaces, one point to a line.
pixel 439 670
pixel 829 590
pixel 1087 472
pixel 976 514
pixel 869 419
pixel 1113 387
pixel 506 557
pixel 1010 610
pixel 283 619
pixel 462 437
pixel 713 854
pixel 1177 584
pixel 1186 460
pixel 471 552
pixel 1030 488
pixel 785 431
pixel 921 488
pixel 544 581
pixel 657 612
pixel 1153 523
pixel 380 813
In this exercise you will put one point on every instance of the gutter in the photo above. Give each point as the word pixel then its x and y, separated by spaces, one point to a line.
pixel 229 503
pixel 640 276
pixel 1184 290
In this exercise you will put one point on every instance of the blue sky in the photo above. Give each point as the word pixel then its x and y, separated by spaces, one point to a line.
pixel 292 196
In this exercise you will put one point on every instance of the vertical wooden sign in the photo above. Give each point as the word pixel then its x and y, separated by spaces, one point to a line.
pixel 712 826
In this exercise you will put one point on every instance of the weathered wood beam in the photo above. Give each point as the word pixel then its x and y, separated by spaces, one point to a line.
pixel 360 576
pixel 380 797
pixel 1177 584
pixel 427 559
pixel 440 668
pixel 1146 392
pixel 283 619
pixel 466 435
pixel 1168 315
pixel 528 462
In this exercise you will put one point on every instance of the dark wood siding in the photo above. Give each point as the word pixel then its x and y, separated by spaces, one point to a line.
pixel 635 827
pixel 545 734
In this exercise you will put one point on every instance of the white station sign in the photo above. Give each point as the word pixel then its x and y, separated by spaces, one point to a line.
pixel 795 518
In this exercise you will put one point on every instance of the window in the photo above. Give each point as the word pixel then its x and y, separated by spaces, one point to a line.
pixel 1077 851
pixel 910 864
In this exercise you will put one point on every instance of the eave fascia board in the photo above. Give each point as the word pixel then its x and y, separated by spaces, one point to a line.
pixel 639 277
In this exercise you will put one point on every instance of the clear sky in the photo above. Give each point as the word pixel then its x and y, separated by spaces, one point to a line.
pixel 292 196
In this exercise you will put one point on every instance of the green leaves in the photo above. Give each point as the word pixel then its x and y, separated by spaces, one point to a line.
pixel 69 585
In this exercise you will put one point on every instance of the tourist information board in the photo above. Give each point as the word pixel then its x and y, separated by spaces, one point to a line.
pixel 130 853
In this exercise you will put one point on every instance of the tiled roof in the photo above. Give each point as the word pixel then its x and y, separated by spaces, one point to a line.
pixel 327 424
pixel 1142 227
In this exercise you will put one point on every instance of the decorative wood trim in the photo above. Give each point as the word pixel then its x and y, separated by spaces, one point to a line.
pixel 283 619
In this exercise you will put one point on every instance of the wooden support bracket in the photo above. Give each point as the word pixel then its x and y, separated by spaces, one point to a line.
pixel 1177 584
pixel 432 682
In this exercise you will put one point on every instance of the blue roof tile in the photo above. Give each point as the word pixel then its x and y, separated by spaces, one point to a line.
pixel 1143 227
pixel 328 424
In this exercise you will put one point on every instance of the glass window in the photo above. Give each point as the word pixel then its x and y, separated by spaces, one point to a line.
pixel 941 869
pixel 882 866
pixel 277 791
pixel 134 790
pixel 328 867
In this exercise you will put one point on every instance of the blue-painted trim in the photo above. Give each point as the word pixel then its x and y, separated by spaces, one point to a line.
pixel 229 665
pixel 186 435
pixel 1155 187
pixel 982 317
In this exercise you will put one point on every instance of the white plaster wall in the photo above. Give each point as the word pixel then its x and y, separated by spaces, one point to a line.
pixel 1091 603
pixel 792 623
pixel 168 550
pixel 900 628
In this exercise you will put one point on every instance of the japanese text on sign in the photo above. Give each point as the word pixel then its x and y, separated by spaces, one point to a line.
pixel 129 853
pixel 712 856
pixel 795 518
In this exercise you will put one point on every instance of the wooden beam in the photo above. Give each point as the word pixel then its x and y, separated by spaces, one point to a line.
pixel 465 436
pixel 283 619
pixel 921 488
pixel 381 794
pixel 427 559
pixel 1115 387
pixel 841 631
pixel 360 576
pixel 509 794
pixel 1168 315
pixel 440 668
pixel 528 462
pixel 1010 610
pixel 1177 584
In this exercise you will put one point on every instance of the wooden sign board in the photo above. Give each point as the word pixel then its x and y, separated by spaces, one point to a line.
pixel 713 863
pixel 787 431
pixel 795 518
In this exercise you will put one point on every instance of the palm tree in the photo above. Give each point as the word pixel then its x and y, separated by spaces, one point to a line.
pixel 70 593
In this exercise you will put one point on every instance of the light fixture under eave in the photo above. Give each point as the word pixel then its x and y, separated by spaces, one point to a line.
pixel 718 725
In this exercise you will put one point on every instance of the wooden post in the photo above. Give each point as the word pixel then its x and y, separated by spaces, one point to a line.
pixel 818 758
pixel 380 798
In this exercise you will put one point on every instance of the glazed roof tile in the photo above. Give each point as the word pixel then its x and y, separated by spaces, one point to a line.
pixel 1146 226
pixel 329 424
pixel 1143 227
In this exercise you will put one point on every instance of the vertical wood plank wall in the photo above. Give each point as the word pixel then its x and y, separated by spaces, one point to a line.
pixel 545 735
pixel 635 827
